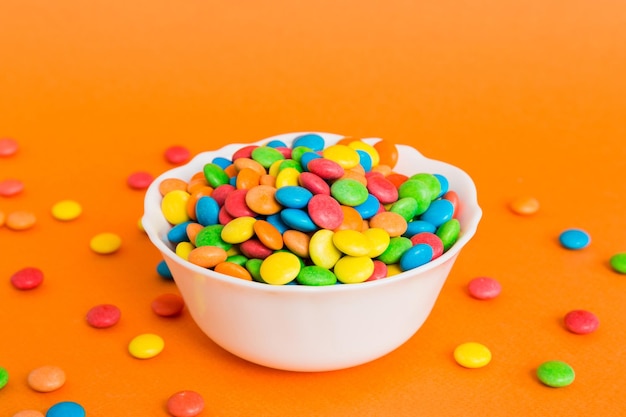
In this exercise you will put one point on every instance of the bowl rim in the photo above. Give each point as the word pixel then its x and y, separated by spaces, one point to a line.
pixel 152 194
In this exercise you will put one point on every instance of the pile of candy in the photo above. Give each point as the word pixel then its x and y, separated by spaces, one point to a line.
pixel 310 214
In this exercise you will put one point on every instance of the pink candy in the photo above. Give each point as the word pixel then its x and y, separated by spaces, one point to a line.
pixel 484 288
pixel 27 278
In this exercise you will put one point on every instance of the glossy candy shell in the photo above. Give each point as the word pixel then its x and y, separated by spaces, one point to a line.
pixel 330 340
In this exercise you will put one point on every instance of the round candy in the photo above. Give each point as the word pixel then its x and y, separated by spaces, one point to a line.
pixel 4 377
pixel 524 205
pixel 316 275
pixel 103 315
pixel 484 288
pixel 66 409
pixel 8 147
pixel 139 180
pixel 185 404
pixel 574 239
pixel 105 243
pixel 168 305
pixel 11 187
pixel 28 413
pixel 581 321
pixel 618 262
pixel 177 154
pixel 46 378
pixel 27 278
pixel 66 210
pixel 146 346
pixel 556 374
pixel 416 255
pixel 280 268
pixel 20 220
pixel 472 355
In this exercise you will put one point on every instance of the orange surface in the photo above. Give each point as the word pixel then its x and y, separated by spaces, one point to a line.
pixel 528 97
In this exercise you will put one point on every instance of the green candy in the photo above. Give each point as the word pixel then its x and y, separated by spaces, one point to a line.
pixel 449 232
pixel 4 377
pixel 618 262
pixel 417 190
pixel 556 374
pixel 212 236
pixel 215 175
pixel 290 163
pixel 396 248
pixel 316 276
pixel 266 155
pixel 432 183
pixel 237 259
pixel 254 267
pixel 405 207
pixel 298 151
pixel 349 192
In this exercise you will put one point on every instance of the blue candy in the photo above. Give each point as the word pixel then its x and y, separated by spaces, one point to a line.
pixel 66 409
pixel 207 211
pixel 178 233
pixel 443 181
pixel 415 256
pixel 574 239
pixel 310 140
pixel 298 219
pixel 293 196
pixel 365 160
pixel 222 162
pixel 164 271
pixel 417 226
pixel 439 212
pixel 308 157
pixel 368 208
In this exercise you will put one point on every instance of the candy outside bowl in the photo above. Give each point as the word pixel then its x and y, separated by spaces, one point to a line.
pixel 307 328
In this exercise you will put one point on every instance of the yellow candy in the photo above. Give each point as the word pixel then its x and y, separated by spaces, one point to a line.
pixel 362 146
pixel 105 243
pixel 183 249
pixel 174 206
pixel 274 169
pixel 146 346
pixel 379 239
pixel 66 210
pixel 352 242
pixel 238 230
pixel 393 269
pixel 354 269
pixel 288 176
pixel 280 268
pixel 322 251
pixel 472 355
pixel 343 155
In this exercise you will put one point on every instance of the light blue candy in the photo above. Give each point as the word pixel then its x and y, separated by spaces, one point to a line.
pixel 574 239
pixel 66 409
pixel 277 222
pixel 369 208
pixel 276 144
pixel 445 185
pixel 439 212
pixel 164 271
pixel 310 140
pixel 365 160
pixel 415 256
pixel 293 196
pixel 298 219
pixel 178 233
pixel 222 162
pixel 207 211
pixel 417 226
pixel 308 157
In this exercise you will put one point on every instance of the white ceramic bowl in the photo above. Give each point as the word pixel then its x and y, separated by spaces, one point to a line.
pixel 303 328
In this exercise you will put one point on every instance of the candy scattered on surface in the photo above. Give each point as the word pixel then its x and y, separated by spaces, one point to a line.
pixel 177 154
pixel 20 220
pixel 146 346
pixel 574 239
pixel 66 409
pixel 618 262
pixel 11 187
pixel 4 377
pixel 28 413
pixel 524 205
pixel 66 210
pixel 556 374
pixel 46 378
pixel 472 355
pixel 140 180
pixel 484 288
pixel 103 316
pixel 27 278
pixel 8 147
pixel 105 243
pixel 185 404
pixel 581 321
pixel 168 305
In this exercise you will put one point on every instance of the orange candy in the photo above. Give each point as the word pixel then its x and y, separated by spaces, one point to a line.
pixel 393 223
pixel 192 231
pixel 351 219
pixel 233 269
pixel 46 378
pixel 247 178
pixel 207 256
pixel 261 199
pixel 269 235
pixel 198 192
pixel 241 163
pixel 171 184
pixel 388 152
pixel 20 220
pixel 297 242
pixel 524 205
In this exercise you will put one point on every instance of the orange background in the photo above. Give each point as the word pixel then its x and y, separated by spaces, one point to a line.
pixel 527 97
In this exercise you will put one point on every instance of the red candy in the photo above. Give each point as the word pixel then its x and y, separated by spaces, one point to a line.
pixel 235 204
pixel 380 271
pixel 10 187
pixel 314 183
pixel 430 239
pixel 253 248
pixel 168 305
pixel 185 404
pixel 325 211
pixel 581 322
pixel 8 147
pixel 381 188
pixel 103 316
pixel 484 288
pixel 325 168
pixel 27 278
pixel 140 180
pixel 177 154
